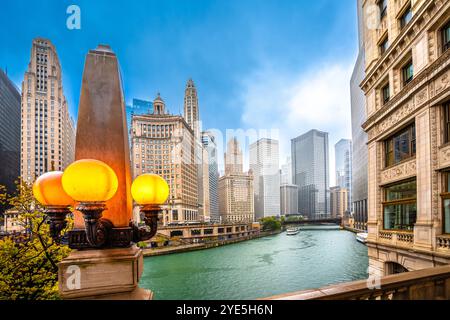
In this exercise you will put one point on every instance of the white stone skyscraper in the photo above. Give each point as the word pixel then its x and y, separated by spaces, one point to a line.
pixel 264 163
pixel 191 110
pixel 48 133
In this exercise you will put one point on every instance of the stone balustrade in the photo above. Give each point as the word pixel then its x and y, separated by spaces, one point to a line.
pixel 443 242
pixel 399 238
pixel 425 284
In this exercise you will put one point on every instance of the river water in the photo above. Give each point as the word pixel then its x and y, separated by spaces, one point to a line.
pixel 258 268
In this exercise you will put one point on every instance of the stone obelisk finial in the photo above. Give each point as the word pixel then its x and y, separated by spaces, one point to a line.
pixel 102 129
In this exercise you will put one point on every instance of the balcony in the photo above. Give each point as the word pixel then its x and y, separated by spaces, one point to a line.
pixel 396 238
pixel 425 284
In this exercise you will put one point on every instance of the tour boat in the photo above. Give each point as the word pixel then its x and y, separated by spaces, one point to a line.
pixel 292 231
pixel 361 237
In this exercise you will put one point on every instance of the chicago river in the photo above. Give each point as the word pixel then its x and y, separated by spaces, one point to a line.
pixel 258 268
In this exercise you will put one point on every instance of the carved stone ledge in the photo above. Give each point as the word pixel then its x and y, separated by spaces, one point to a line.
pixel 399 172
pixel 444 157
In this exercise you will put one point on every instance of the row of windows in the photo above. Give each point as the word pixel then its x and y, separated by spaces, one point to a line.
pixel 400 205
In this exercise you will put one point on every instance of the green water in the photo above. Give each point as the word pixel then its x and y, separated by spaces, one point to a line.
pixel 258 268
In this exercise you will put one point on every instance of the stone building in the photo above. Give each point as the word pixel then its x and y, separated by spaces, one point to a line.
pixel 338 202
pixel 163 144
pixel 407 102
pixel 48 132
pixel 236 200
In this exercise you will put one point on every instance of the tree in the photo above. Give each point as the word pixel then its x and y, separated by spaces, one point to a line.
pixel 270 224
pixel 29 260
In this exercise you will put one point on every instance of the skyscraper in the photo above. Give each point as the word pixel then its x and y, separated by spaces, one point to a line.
pixel 288 199
pixel 192 117
pixel 358 203
pixel 191 110
pixel 310 172
pixel 164 144
pixel 233 158
pixel 9 134
pixel 236 200
pixel 48 132
pixel 338 202
pixel 343 161
pixel 210 145
pixel 286 172
pixel 264 163
pixel 138 107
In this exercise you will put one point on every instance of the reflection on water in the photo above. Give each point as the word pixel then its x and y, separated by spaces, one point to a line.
pixel 258 268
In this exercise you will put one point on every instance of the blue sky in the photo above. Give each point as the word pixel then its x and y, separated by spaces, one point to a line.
pixel 262 64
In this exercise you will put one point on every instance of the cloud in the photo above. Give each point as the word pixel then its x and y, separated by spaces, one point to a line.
pixel 295 102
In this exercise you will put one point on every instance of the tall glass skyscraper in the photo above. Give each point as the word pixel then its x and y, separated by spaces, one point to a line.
pixel 9 133
pixel 343 161
pixel 310 172
pixel 359 137
pixel 139 107
pixel 265 165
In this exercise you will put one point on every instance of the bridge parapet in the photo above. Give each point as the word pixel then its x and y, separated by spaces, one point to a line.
pixel 425 284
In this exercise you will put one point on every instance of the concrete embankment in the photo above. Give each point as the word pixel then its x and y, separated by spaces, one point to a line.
pixel 201 246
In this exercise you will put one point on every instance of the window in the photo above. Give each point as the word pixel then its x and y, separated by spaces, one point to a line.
pixel 382 4
pixel 408 72
pixel 406 17
pixel 399 206
pixel 385 92
pixel 446 202
pixel 446 37
pixel 384 45
pixel 446 122
pixel 400 146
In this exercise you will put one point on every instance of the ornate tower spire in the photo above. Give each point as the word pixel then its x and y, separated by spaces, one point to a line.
pixel 191 112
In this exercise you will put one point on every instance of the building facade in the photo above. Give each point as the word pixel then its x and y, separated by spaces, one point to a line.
pixel 236 197
pixel 310 172
pixel 286 172
pixel 359 136
pixel 407 94
pixel 9 134
pixel 339 202
pixel 210 145
pixel 163 144
pixel 264 163
pixel 288 199
pixel 48 132
pixel 343 165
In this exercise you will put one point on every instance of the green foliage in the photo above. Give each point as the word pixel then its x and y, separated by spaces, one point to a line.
pixel 29 261
pixel 142 244
pixel 270 224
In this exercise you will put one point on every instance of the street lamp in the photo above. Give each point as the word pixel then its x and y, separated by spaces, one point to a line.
pixel 90 183
pixel 49 192
pixel 150 191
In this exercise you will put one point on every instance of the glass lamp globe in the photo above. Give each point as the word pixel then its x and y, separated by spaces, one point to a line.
pixel 48 190
pixel 150 189
pixel 90 180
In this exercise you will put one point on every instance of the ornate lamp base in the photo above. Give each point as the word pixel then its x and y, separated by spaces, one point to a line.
pixel 117 238
pixel 102 274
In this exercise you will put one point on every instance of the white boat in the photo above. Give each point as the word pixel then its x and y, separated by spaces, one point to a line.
pixel 361 237
pixel 292 231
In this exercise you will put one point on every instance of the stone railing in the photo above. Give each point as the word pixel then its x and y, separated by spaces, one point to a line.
pixel 425 284
pixel 386 235
pixel 443 242
pixel 405 237
pixel 399 238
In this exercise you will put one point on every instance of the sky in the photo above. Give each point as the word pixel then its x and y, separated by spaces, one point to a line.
pixel 275 67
